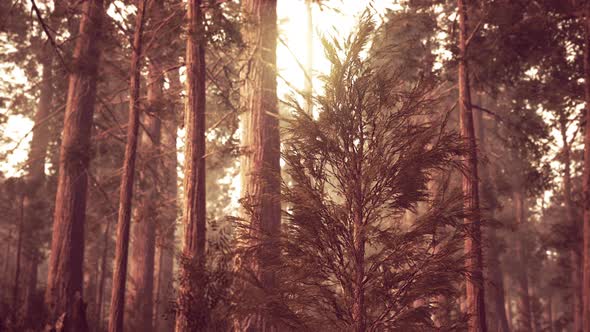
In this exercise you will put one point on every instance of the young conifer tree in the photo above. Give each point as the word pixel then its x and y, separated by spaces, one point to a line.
pixel 350 262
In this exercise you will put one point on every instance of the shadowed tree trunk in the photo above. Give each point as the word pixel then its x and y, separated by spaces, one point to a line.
pixel 571 221
pixel 494 269
pixel 260 169
pixel 475 305
pixel 143 244
pixel 166 228
pixel 524 319
pixel 64 282
pixel 117 310
pixel 194 204
pixel 586 180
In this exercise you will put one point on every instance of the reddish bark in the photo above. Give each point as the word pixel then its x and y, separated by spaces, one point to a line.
pixel 64 284
pixel 586 183
pixel 260 168
pixel 116 315
pixel 475 305
pixel 166 228
pixel 194 213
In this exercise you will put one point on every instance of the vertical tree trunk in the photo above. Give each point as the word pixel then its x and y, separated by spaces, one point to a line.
pixel 524 320
pixel 494 268
pixel 475 304
pixel 19 247
pixel 166 228
pixel 308 87
pixel 260 168
pixel 567 194
pixel 116 315
pixel 194 213
pixel 102 277
pixel 586 183
pixel 64 284
pixel 143 244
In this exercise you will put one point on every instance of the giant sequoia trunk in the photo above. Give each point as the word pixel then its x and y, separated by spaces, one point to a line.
pixel 194 214
pixel 475 305
pixel 586 183
pixel 127 177
pixel 64 283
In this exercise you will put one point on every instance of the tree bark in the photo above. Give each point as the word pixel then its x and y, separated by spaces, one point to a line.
pixel 567 194
pixel 166 228
pixel 260 168
pixel 308 86
pixel 524 320
pixel 494 268
pixel 475 305
pixel 143 244
pixel 194 205
pixel 102 276
pixel 117 310
pixel 19 247
pixel 586 182
pixel 64 285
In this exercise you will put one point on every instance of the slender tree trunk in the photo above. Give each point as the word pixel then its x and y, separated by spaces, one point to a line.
pixel 586 183
pixel 64 282
pixel 494 268
pixel 194 213
pixel 260 168
pixel 567 194
pixel 475 304
pixel 117 310
pixel 143 244
pixel 524 320
pixel 308 87
pixel 103 274
pixel 19 247
pixel 166 229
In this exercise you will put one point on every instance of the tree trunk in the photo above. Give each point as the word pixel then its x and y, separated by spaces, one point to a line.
pixel 166 227
pixel 494 268
pixel 194 204
pixel 116 315
pixel 143 244
pixel 102 277
pixel 524 320
pixel 19 247
pixel 586 183
pixel 260 168
pixel 308 87
pixel 475 305
pixel 567 194
pixel 64 282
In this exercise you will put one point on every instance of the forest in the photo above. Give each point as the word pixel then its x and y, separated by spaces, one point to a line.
pixel 294 165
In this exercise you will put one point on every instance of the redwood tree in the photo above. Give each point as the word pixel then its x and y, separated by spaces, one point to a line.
pixel 64 284
pixel 260 168
pixel 586 183
pixel 127 177
pixel 194 213
pixel 475 305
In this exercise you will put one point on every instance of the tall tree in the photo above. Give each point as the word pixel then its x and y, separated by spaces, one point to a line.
pixel 147 212
pixel 117 308
pixel 64 283
pixel 194 205
pixel 475 303
pixel 260 167
pixel 586 179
